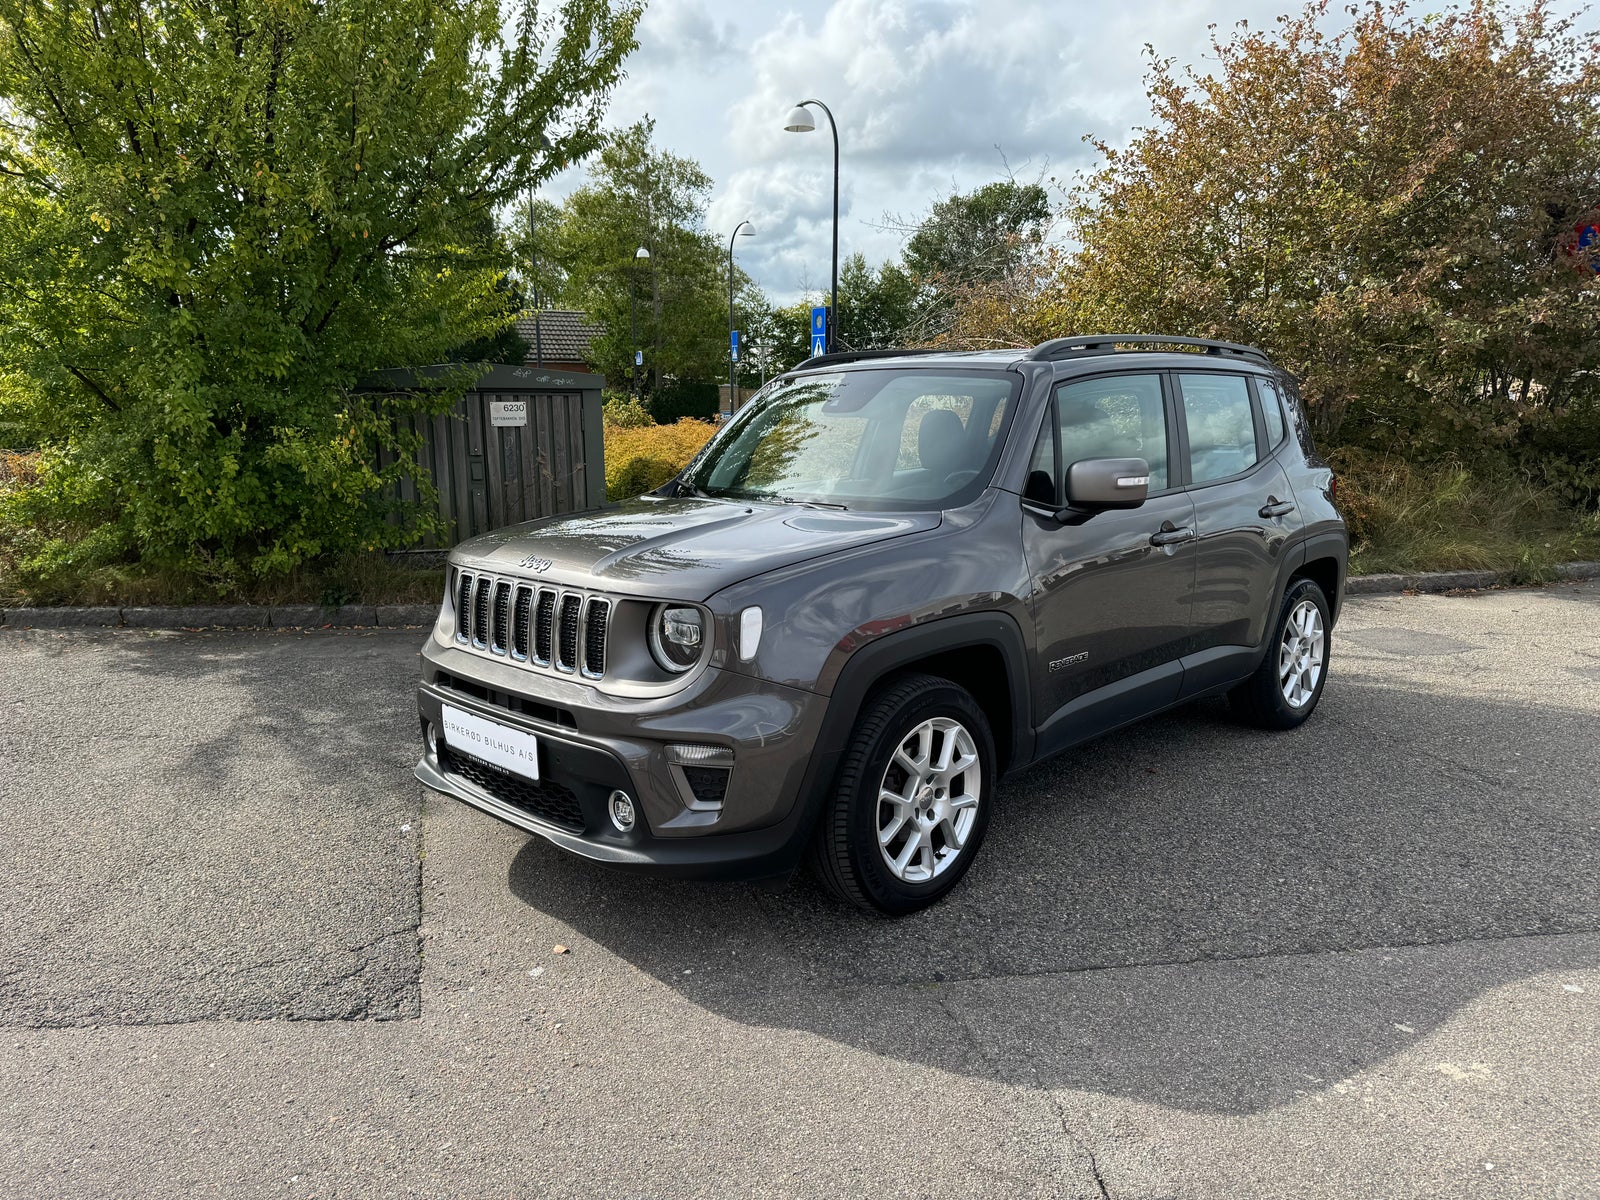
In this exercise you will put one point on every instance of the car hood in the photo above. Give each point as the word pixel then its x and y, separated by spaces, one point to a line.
pixel 678 549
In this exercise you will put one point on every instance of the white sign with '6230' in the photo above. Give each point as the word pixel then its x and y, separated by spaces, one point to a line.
pixel 508 412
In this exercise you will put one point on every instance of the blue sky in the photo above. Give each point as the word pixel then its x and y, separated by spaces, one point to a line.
pixel 929 95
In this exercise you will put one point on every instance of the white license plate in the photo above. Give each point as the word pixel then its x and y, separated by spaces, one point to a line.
pixel 499 745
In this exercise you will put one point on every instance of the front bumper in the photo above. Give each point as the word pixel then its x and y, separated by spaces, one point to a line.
pixel 591 744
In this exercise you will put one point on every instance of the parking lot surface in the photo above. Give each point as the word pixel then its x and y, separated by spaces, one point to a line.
pixel 245 955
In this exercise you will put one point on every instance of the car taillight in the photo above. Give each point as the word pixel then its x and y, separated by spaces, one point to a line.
pixel 1333 487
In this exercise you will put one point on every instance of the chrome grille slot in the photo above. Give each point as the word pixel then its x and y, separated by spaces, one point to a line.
pixel 567 649
pixel 596 619
pixel 480 613
pixel 544 625
pixel 537 626
pixel 500 637
pixel 519 623
pixel 463 607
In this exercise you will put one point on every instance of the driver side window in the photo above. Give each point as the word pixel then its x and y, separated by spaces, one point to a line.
pixel 1115 416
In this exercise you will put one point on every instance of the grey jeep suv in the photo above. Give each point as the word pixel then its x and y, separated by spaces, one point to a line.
pixel 889 581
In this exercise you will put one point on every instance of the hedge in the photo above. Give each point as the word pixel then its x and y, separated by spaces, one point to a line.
pixel 641 459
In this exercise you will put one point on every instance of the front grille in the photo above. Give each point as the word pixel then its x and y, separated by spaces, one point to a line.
pixel 544 624
pixel 598 618
pixel 567 650
pixel 480 614
pixel 544 799
pixel 519 623
pixel 543 627
pixel 464 607
pixel 502 618
pixel 536 709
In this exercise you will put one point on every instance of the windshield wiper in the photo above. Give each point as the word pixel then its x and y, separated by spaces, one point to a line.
pixel 808 503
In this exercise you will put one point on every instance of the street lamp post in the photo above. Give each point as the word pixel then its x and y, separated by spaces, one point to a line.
pixel 742 229
pixel 633 312
pixel 800 122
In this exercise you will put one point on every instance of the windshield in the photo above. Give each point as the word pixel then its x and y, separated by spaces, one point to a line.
pixel 875 439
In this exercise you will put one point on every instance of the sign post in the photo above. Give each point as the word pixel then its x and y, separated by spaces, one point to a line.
pixel 819 330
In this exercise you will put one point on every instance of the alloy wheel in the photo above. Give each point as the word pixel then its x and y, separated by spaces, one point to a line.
pixel 1301 654
pixel 928 800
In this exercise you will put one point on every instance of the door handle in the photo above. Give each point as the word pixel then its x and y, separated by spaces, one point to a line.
pixel 1276 508
pixel 1171 537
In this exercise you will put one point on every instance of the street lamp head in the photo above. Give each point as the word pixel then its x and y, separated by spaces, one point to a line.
pixel 641 252
pixel 800 120
pixel 744 230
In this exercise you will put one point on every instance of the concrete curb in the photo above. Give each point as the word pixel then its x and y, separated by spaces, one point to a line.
pixel 232 616
pixel 403 616
pixel 1449 581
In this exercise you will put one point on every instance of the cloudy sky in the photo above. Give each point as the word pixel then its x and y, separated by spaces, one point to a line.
pixel 929 95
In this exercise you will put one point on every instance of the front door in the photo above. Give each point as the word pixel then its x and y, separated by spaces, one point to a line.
pixel 1112 593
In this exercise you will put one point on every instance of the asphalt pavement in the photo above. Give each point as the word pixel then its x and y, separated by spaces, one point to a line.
pixel 244 955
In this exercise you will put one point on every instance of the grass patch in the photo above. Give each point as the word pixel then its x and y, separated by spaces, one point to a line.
pixel 1405 518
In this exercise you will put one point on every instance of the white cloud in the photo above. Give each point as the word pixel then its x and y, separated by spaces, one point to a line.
pixel 929 95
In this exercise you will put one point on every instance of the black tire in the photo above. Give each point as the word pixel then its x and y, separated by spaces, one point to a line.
pixel 846 853
pixel 1259 700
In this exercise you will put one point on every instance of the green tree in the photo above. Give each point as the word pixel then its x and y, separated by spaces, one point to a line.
pixel 978 236
pixel 1387 210
pixel 216 220
pixel 638 195
pixel 877 310
pixel 877 305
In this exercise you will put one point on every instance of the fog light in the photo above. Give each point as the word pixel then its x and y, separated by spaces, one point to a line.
pixel 621 806
pixel 431 736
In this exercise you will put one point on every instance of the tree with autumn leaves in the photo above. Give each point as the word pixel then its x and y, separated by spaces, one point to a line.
pixel 1389 210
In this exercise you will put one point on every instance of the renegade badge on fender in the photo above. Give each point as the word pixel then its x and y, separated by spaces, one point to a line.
pixel 890 580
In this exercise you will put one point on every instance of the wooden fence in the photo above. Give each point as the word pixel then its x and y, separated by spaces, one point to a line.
pixel 525 442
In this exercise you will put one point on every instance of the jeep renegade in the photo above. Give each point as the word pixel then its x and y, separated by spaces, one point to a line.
pixel 889 581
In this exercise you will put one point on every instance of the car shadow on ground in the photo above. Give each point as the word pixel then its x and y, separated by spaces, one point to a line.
pixel 1395 818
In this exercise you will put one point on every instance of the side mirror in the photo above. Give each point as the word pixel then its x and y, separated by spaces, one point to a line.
pixel 1096 483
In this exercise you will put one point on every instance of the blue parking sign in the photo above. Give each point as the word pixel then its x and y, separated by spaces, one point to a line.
pixel 819 330
pixel 733 344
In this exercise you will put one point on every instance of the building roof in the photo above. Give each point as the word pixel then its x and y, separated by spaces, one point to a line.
pixel 563 334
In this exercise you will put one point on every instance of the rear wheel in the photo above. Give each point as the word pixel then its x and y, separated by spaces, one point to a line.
pixel 1287 685
pixel 912 801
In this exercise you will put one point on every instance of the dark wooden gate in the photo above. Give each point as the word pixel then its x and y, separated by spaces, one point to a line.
pixel 544 458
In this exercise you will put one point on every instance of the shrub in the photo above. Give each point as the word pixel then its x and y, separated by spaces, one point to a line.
pixel 625 412
pixel 642 459
pixel 1404 517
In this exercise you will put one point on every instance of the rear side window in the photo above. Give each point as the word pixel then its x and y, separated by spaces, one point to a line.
pixel 1272 410
pixel 1116 416
pixel 1221 424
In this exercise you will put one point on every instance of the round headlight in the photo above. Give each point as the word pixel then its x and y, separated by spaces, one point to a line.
pixel 677 637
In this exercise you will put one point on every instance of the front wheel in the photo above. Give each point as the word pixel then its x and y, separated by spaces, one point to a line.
pixel 1287 685
pixel 913 797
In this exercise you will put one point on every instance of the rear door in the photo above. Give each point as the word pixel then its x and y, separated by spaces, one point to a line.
pixel 1244 512
pixel 1111 593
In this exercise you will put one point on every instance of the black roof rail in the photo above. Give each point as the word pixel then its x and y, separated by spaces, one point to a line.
pixel 850 356
pixel 1107 343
